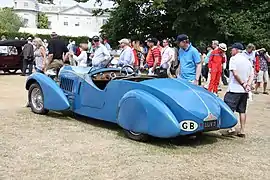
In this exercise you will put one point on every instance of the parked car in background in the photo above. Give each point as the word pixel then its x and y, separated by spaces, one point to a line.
pixel 11 55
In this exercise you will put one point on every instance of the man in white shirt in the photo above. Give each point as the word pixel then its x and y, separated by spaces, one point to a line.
pixel 241 77
pixel 101 54
pixel 82 58
pixel 127 55
pixel 167 57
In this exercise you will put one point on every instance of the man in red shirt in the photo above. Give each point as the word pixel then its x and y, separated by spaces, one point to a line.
pixel 217 58
pixel 153 58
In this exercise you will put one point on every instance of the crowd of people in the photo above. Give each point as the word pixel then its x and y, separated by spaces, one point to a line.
pixel 247 67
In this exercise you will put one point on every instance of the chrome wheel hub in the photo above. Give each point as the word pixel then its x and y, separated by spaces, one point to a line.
pixel 134 133
pixel 36 99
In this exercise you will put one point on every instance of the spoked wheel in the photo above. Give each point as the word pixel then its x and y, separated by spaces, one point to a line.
pixel 36 99
pixel 136 136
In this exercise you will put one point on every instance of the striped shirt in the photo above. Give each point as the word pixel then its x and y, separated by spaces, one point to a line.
pixel 152 54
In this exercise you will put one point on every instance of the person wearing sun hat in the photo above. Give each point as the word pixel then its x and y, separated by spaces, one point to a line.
pixel 241 77
pixel 217 58
pixel 126 56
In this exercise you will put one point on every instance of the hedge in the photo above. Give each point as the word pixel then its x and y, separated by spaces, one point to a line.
pixel 12 35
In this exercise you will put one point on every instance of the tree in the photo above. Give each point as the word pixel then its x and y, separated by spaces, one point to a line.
pixel 43 22
pixel 203 20
pixel 138 19
pixel 7 16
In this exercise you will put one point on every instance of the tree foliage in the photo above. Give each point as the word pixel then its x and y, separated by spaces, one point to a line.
pixel 203 20
pixel 43 22
pixel 9 21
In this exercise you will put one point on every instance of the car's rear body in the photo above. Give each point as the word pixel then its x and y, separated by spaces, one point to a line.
pixel 10 62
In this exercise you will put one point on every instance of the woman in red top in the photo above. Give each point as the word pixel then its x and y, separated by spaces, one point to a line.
pixel 139 58
pixel 78 50
pixel 217 58
pixel 136 62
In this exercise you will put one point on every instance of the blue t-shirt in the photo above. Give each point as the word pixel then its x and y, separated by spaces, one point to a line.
pixel 207 57
pixel 189 58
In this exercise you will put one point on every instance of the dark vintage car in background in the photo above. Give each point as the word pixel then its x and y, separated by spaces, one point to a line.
pixel 11 62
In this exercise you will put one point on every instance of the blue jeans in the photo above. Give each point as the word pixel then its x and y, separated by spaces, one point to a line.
pixel 39 71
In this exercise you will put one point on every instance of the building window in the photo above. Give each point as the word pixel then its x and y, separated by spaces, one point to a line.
pixel 49 24
pixel 25 22
pixel 104 21
pixel 77 24
pixel 26 4
pixel 88 21
pixel 65 23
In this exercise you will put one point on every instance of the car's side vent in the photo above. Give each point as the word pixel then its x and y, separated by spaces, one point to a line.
pixel 66 84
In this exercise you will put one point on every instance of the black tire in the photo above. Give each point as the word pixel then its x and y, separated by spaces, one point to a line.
pixel 136 136
pixel 33 88
pixel 12 71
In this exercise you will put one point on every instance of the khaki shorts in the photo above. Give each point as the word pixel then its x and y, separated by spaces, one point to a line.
pixel 55 64
pixel 262 76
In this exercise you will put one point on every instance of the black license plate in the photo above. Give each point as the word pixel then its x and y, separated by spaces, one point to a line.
pixel 208 125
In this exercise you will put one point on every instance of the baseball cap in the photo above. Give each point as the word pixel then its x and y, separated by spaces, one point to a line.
pixel 95 38
pixel 29 38
pixel 125 41
pixel 238 46
pixel 181 37
pixel 222 46
pixel 153 40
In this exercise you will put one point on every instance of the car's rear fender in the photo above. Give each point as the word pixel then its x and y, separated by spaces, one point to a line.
pixel 228 118
pixel 141 112
pixel 54 97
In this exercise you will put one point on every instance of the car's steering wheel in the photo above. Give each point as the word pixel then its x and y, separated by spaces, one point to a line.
pixel 126 68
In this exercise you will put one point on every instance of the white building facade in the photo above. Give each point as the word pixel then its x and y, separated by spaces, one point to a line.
pixel 69 19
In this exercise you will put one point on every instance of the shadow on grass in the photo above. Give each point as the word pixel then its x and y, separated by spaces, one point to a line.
pixel 191 141
pixel 9 74
pixel 172 143
pixel 68 115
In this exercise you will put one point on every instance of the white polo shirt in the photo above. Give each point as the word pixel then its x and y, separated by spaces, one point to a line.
pixel 244 70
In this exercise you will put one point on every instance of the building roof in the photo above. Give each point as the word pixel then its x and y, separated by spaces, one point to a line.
pixel 61 7
pixel 90 4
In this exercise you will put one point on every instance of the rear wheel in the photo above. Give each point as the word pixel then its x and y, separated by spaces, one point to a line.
pixel 13 71
pixel 36 99
pixel 136 136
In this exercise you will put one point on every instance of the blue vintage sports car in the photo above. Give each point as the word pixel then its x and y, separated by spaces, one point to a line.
pixel 141 105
